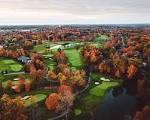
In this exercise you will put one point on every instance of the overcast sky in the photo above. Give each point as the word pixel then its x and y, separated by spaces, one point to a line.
pixel 74 11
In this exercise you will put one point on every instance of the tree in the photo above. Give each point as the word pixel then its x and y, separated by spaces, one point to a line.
pixel 21 79
pixel 66 97
pixel 17 88
pixel 62 78
pixel 117 73
pixel 138 116
pixel 140 86
pixel 131 71
pixel 27 86
pixel 102 67
pixel 144 114
pixel 60 56
pixel 93 58
pixel 52 75
pixel 52 101
pixel 11 109
pixel 77 78
pixel 9 84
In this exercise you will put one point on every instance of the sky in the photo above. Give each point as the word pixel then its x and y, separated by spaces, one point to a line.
pixel 24 12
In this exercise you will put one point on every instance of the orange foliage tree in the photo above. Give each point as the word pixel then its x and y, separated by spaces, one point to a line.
pixel 27 86
pixel 11 109
pixel 52 75
pixel 52 101
pixel 131 71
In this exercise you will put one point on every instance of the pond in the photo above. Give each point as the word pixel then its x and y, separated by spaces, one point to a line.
pixel 116 105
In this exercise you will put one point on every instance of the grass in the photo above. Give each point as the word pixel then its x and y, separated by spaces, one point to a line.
pixel 87 104
pixel 95 76
pixel 10 65
pixel 38 98
pixel 34 92
pixel 101 89
pixel 77 112
pixel 41 48
pixel 90 101
pixel 74 58
pixel 101 38
pixel 50 64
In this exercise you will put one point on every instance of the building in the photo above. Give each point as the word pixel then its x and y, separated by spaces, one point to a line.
pixel 24 59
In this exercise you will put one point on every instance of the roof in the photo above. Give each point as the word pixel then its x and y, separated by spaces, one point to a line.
pixel 24 58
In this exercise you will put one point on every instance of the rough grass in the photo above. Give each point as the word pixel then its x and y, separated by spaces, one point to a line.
pixel 77 112
pixel 95 76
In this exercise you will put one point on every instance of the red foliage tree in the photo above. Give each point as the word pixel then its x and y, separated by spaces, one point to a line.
pixel 52 101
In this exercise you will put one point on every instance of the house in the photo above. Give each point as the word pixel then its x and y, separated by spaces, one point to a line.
pixel 24 59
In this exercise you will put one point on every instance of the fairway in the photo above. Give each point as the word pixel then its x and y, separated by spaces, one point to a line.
pixel 37 97
pixel 74 58
pixel 101 89
pixel 10 65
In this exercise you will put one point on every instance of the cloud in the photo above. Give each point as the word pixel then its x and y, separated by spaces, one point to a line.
pixel 72 11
